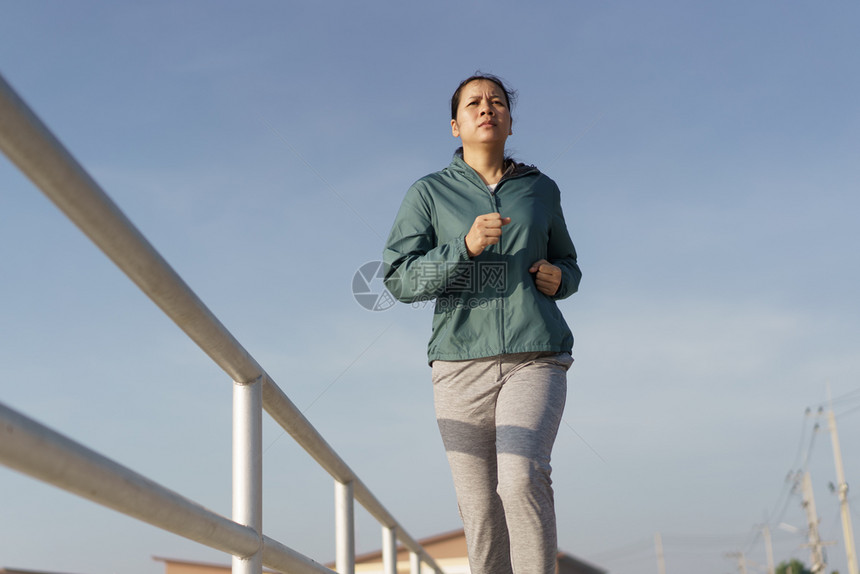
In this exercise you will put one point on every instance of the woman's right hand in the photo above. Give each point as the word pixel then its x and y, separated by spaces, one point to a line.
pixel 485 231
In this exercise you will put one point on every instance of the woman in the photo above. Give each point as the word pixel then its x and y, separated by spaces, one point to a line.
pixel 487 240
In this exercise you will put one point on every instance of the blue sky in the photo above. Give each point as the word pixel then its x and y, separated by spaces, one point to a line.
pixel 708 159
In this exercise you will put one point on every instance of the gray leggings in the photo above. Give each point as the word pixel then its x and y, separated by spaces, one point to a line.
pixel 499 417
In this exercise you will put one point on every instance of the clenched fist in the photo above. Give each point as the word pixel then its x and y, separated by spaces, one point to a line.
pixel 485 231
pixel 547 277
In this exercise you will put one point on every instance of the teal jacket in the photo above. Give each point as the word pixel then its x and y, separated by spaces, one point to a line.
pixel 487 305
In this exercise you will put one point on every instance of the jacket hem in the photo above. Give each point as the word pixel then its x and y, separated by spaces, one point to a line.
pixel 482 354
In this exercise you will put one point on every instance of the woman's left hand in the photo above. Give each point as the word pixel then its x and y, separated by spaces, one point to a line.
pixel 547 278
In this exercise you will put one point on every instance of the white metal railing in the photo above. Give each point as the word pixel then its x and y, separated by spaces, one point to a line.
pixel 42 453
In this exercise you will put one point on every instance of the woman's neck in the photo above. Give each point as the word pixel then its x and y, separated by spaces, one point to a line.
pixel 490 164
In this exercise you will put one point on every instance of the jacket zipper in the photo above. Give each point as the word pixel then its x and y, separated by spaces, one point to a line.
pixel 499 308
pixel 494 200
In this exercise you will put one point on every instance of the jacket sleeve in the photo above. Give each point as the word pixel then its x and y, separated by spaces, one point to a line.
pixel 562 253
pixel 417 267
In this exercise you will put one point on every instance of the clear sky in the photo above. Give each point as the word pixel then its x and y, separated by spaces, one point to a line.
pixel 709 158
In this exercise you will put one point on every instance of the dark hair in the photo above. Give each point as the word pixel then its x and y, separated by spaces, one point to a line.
pixel 510 95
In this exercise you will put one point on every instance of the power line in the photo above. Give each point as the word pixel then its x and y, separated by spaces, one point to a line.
pixel 802 438
pixel 805 464
pixel 756 534
pixel 847 397
pixel 852 411
pixel 793 479
pixel 790 482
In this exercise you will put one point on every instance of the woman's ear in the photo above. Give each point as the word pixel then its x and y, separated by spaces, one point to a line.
pixel 455 130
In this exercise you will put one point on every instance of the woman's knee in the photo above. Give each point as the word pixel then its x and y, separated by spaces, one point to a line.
pixel 522 479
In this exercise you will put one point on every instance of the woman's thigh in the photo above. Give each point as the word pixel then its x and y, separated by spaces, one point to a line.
pixel 529 408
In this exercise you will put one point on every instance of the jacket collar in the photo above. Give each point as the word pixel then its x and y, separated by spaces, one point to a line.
pixel 513 169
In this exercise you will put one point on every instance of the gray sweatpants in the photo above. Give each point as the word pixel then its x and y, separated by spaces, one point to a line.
pixel 499 417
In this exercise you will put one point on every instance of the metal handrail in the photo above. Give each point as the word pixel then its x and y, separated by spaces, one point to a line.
pixel 40 156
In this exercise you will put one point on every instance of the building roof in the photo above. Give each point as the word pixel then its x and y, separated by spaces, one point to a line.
pixel 175 565
pixel 443 545
pixel 452 545
pixel 568 564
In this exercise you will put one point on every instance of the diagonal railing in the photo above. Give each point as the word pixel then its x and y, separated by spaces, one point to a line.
pixel 47 455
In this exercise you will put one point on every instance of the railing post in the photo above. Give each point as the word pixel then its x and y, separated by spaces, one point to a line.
pixel 389 550
pixel 248 468
pixel 344 524
pixel 414 563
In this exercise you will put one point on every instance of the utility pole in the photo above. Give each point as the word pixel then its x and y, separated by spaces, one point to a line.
pixel 816 553
pixel 768 545
pixel 842 491
pixel 658 545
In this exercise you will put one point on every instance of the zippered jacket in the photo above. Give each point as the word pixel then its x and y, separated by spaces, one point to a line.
pixel 487 305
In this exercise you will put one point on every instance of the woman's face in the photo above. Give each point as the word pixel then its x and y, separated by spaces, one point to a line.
pixel 483 116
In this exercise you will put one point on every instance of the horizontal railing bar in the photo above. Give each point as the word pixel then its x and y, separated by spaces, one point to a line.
pixel 31 146
pixel 77 469
pixel 40 452
pixel 285 559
